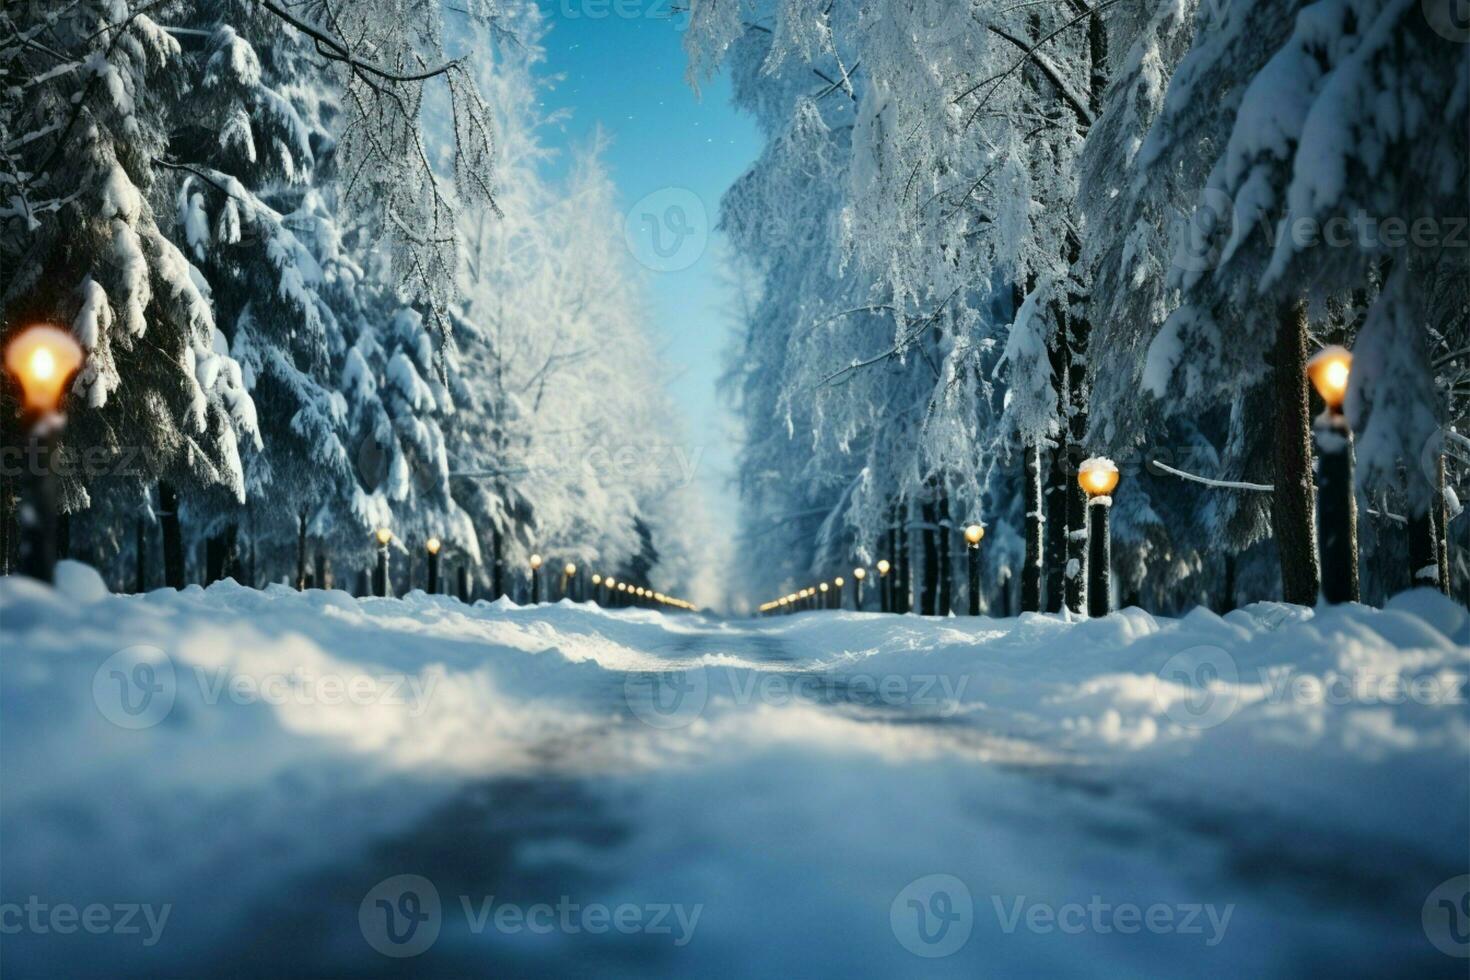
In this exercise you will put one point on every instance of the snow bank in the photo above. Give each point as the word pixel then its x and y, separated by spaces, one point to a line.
pixel 259 761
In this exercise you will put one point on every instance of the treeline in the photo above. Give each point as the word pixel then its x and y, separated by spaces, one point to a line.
pixel 324 286
pixel 986 241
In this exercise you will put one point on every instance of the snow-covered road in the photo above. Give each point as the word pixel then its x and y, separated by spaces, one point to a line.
pixel 231 782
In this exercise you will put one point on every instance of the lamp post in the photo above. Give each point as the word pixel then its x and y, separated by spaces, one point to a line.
pixel 380 585
pixel 535 579
pixel 885 601
pixel 42 360
pixel 432 546
pixel 974 534
pixel 569 581
pixel 1098 477
pixel 858 574
pixel 822 599
pixel 597 588
pixel 837 584
pixel 1337 505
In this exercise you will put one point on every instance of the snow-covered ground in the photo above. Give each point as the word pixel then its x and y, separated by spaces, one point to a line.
pixel 227 782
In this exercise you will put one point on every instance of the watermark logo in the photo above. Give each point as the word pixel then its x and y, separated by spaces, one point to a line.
pixel 667 231
pixel 1450 19
pixel 135 687
pixel 667 699
pixel 1446 917
pixel 933 916
pixel 401 916
pixel 1210 683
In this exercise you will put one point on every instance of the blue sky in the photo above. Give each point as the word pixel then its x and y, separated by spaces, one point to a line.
pixel 670 149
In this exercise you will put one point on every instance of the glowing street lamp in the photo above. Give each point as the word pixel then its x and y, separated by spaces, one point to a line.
pixel 1098 478
pixel 569 580
pixel 885 585
pixel 42 360
pixel 535 579
pixel 858 574
pixel 974 534
pixel 380 577
pixel 1337 506
pixel 432 546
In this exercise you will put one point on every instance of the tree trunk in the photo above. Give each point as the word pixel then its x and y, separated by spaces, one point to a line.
pixel 1076 571
pixel 1227 603
pixel 1440 509
pixel 904 584
pixel 1423 555
pixel 321 571
pixel 140 556
pixel 1035 529
pixel 928 591
pixel 173 536
pixel 944 538
pixel 497 588
pixel 1056 528
pixel 301 551
pixel 1293 506
pixel 219 555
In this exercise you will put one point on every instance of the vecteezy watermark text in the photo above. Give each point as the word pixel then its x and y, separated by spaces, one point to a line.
pixel 64 919
pixel 673 699
pixel 402 916
pixel 136 687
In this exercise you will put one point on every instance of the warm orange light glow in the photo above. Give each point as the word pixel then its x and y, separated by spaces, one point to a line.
pixel 43 359
pixel 823 586
pixel 535 562
pixel 974 534
pixel 860 573
pixel 883 566
pixel 1330 368
pixel 569 569
pixel 1097 477
pixel 596 579
pixel 384 536
pixel 839 581
pixel 433 545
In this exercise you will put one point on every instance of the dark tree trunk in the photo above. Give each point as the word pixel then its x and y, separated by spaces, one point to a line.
pixel 7 523
pixel 1440 510
pixel 928 593
pixel 1423 555
pixel 891 539
pixel 1076 571
pixel 301 551
pixel 219 555
pixel 140 556
pixel 1227 602
pixel 463 582
pixel 1293 517
pixel 944 537
pixel 497 588
pixel 904 591
pixel 63 535
pixel 173 536
pixel 1035 528
pixel 322 582
pixel 1056 529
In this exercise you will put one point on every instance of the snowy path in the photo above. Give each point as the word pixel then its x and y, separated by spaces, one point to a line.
pixel 578 791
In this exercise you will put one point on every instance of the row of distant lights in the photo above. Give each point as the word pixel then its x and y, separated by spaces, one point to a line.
pixel 974 534
pixel 822 588
pixel 613 585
